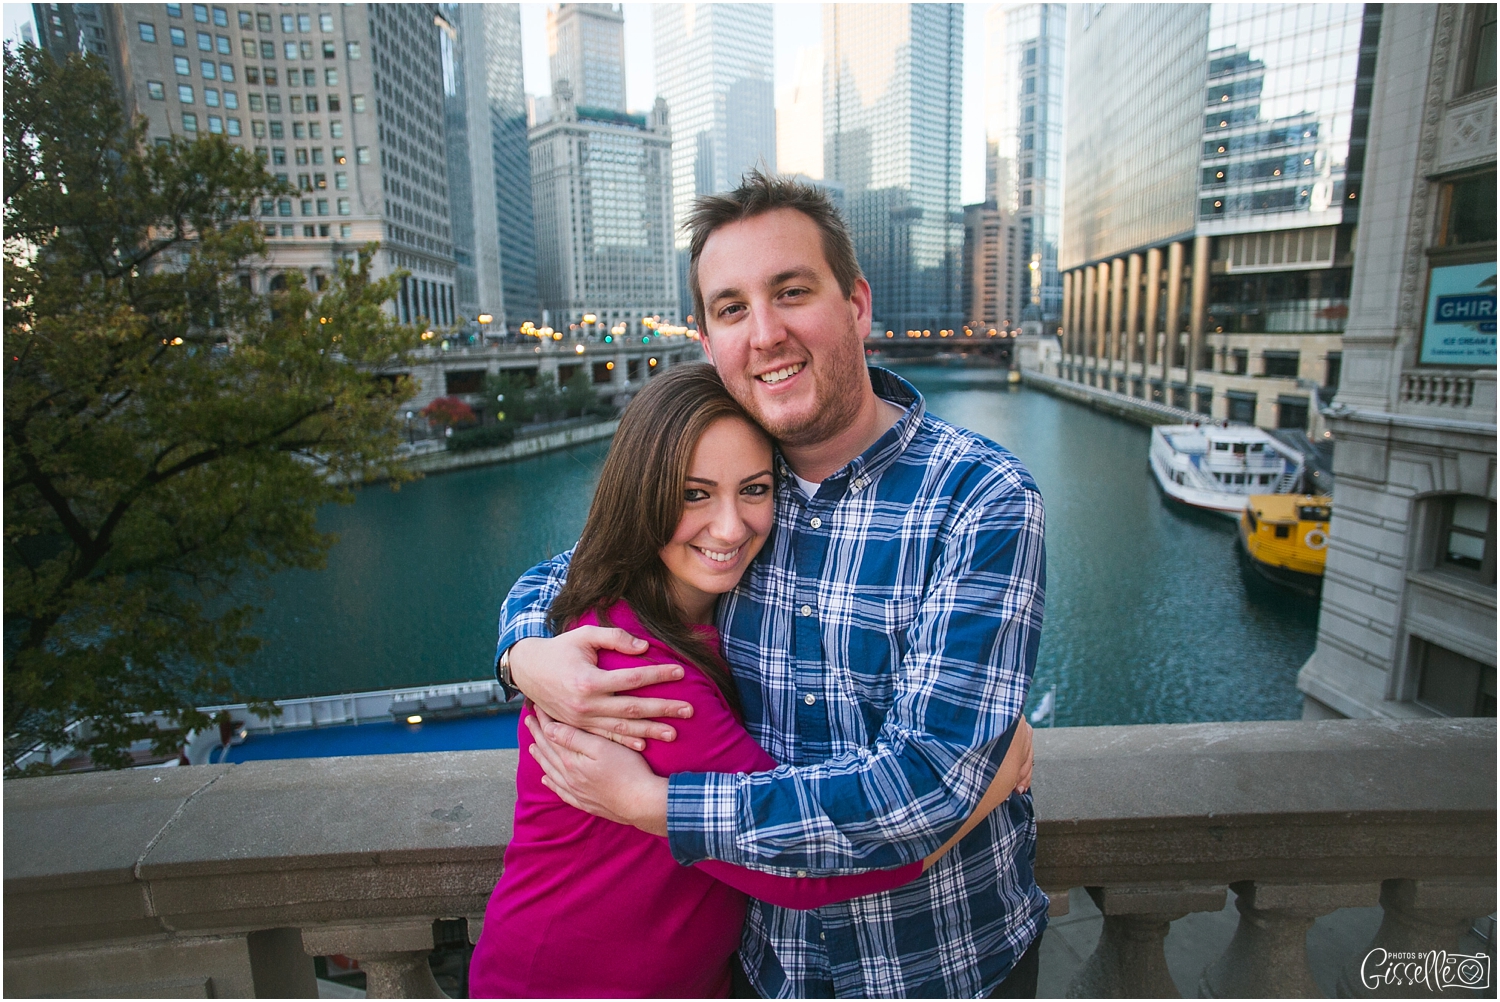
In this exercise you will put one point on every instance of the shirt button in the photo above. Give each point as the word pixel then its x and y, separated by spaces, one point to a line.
pixel 802 873
pixel 823 936
pixel 816 523
pixel 809 699
pixel 807 610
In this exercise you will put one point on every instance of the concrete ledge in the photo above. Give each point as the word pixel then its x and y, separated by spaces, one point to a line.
pixel 1146 412
pixel 532 445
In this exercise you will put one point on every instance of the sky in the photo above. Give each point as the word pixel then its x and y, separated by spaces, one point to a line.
pixel 797 26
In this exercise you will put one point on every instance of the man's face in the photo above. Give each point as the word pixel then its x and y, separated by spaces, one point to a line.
pixel 787 343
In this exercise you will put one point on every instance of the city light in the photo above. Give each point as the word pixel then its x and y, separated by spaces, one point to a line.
pixel 415 718
pixel 578 349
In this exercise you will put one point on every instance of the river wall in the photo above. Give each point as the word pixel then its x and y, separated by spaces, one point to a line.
pixel 1146 412
pixel 531 445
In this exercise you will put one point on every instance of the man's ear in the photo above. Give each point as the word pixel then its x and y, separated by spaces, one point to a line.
pixel 708 351
pixel 861 300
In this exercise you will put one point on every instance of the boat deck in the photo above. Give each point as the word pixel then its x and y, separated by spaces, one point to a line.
pixel 495 730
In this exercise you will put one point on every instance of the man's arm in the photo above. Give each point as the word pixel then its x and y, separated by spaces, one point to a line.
pixel 561 674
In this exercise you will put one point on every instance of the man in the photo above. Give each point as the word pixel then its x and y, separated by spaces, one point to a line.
pixel 883 642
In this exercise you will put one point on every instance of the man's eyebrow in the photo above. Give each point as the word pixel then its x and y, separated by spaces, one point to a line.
pixel 791 273
pixel 755 476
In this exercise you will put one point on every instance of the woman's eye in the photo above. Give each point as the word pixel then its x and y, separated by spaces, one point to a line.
pixel 694 494
pixel 757 490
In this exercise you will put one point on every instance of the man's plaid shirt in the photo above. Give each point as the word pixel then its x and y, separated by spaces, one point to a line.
pixel 883 643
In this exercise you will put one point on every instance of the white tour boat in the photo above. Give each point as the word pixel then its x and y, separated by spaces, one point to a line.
pixel 1217 468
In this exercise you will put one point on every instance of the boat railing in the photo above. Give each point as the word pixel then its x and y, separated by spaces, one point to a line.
pixel 228 880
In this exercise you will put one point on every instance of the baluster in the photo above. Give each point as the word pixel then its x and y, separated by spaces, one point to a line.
pixel 1421 916
pixel 1268 956
pixel 1130 960
pixel 393 955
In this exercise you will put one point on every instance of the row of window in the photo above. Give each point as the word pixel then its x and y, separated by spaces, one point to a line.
pixel 283 206
pixel 307 78
pixel 309 230
pixel 216 125
pixel 277 155
pixel 211 70
pixel 300 130
pixel 289 23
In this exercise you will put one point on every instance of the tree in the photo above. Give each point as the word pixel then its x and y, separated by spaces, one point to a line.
pixel 449 412
pixel 169 436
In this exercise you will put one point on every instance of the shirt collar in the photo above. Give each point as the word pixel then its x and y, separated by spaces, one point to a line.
pixel 860 470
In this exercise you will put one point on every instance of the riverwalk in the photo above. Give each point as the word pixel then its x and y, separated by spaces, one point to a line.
pixel 1146 412
pixel 441 460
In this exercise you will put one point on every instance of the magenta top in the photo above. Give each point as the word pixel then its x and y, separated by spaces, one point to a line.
pixel 590 908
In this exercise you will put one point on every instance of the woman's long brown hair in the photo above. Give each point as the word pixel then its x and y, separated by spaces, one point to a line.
pixel 636 509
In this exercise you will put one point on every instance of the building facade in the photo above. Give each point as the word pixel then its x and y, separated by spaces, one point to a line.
pixel 1218 279
pixel 489 166
pixel 1026 47
pixel 586 47
pixel 991 243
pixel 799 118
pixel 724 112
pixel 344 102
pixel 1407 627
pixel 892 108
pixel 602 190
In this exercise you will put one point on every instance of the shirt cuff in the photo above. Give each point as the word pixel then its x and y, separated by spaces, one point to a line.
pixel 702 808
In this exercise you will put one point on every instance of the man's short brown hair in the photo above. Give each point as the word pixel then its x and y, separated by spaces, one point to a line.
pixel 760 193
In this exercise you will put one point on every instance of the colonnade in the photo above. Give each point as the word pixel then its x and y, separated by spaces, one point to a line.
pixel 1123 321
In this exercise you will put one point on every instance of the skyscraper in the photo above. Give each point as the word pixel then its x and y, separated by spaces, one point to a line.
pixel 1025 46
pixel 723 109
pixel 489 165
pixel 344 102
pixel 1228 140
pixel 602 189
pixel 893 103
pixel 586 47
pixel 799 118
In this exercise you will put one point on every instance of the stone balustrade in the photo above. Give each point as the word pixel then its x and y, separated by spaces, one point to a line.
pixel 227 880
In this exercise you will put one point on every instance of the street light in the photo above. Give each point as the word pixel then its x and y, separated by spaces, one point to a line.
pixel 409 439
pixel 484 322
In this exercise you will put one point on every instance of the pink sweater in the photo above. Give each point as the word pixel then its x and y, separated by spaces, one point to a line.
pixel 590 908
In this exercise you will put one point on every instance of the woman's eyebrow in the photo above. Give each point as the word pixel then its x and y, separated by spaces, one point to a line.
pixel 755 476
pixel 705 480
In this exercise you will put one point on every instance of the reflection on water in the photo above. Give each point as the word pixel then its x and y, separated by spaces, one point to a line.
pixel 1148 618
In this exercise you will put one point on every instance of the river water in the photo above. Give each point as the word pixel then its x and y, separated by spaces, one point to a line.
pixel 1148 620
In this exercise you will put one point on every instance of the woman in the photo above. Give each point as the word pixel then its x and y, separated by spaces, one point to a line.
pixel 588 907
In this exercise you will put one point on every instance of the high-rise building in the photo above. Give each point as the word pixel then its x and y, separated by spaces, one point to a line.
pixel 1407 626
pixel 892 111
pixel 799 118
pixel 345 102
pixel 64 28
pixel 1214 159
pixel 489 165
pixel 724 111
pixel 601 185
pixel 586 47
pixel 1025 46
pixel 991 243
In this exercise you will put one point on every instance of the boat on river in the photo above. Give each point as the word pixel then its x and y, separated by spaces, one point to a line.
pixel 1284 539
pixel 1218 467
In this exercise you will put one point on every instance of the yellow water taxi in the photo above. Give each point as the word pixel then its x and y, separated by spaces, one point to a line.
pixel 1284 538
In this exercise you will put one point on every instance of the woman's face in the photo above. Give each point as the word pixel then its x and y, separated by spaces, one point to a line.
pixel 726 516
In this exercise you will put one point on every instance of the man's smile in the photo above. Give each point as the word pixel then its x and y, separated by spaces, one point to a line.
pixel 783 373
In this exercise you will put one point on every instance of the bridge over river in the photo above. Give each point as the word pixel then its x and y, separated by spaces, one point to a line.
pixel 1148 619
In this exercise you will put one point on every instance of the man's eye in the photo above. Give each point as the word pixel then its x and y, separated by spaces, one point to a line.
pixel 732 310
pixel 694 494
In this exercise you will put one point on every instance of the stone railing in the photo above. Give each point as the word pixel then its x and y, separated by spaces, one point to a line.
pixel 227 880
pixel 1439 389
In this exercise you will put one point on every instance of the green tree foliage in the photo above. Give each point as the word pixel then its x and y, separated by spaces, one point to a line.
pixel 168 435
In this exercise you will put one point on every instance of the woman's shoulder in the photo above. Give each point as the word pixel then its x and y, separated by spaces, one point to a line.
pixel 621 617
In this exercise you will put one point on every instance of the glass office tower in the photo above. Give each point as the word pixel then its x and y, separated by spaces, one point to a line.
pixel 892 108
pixel 724 111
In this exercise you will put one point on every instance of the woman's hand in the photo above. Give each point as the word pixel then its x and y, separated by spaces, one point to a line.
pixel 1014 775
pixel 598 776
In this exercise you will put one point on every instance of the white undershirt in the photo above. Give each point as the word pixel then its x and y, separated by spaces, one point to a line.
pixel 808 487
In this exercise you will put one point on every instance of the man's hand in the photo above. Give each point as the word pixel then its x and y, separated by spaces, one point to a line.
pixel 561 675
pixel 598 776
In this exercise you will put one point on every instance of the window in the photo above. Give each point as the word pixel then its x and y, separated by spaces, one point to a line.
pixel 185 93
pixel 210 70
pixel 1466 537
pixel 182 66
pixel 205 42
pixel 258 128
pixel 1480 71
pixel 333 102
pixel 247 21
pixel 302 155
pixel 1241 407
pixel 247 48
pixel 345 230
pixel 315 130
pixel 231 99
pixel 325 22
pixel 268 207
pixel 331 77
pixel 330 51
pixel 312 103
pixel 270 75
pixel 1452 684
pixel 267 50
pixel 307 207
pixel 273 103
pixel 336 130
pixel 284 207
pixel 252 74
pixel 341 181
pixel 343 206
pixel 317 154
pixel 290 49
pixel 304 23
pixel 215 124
pixel 304 181
pixel 1291 412
pixel 278 130
pixel 309 230
pixel 155 90
pixel 1282 363
pixel 263 22
pixel 221 17
pixel 338 155
pixel 1467 210
pixel 309 78
pixel 189 122
pixel 221 45
pixel 299 130
pixel 211 97
pixel 361 154
pixel 179 37
pixel 174 10
pixel 353 48
pixel 288 24
pixel 294 104
pixel 278 158
pixel 320 181
pixel 232 126
pixel 307 50
pixel 147 30
pixel 200 12
pixel 357 102
pixel 322 206
pixel 226 72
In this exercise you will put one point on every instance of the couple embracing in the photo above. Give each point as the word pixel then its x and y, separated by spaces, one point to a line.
pixel 818 783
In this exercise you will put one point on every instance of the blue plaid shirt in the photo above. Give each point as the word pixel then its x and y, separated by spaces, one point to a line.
pixel 883 643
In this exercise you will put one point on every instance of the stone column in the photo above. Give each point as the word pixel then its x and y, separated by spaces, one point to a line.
pixel 1116 284
pixel 1153 307
pixel 1067 313
pixel 1421 917
pixel 1174 309
pixel 1080 321
pixel 1101 311
pixel 1132 317
pixel 392 953
pixel 1130 961
pixel 1268 956
pixel 1088 314
pixel 1198 316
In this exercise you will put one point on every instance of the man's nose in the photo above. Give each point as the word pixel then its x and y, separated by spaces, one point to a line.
pixel 766 329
